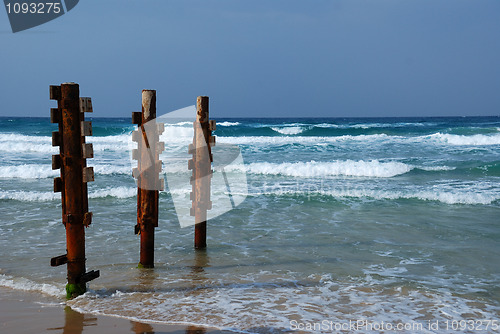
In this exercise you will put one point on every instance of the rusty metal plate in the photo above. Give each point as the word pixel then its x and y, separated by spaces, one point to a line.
pixel 85 104
pixel 55 92
pixel 86 128
pixel 211 125
pixel 136 117
pixel 88 174
pixel 88 151
pixel 56 161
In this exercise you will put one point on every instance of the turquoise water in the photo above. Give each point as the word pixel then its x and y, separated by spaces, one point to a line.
pixel 376 219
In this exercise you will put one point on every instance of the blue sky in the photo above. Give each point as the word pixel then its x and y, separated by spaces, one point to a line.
pixel 262 58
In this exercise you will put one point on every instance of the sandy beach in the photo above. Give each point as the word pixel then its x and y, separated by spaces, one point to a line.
pixel 29 313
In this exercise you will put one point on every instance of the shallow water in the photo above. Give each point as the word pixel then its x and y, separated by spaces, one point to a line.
pixel 393 220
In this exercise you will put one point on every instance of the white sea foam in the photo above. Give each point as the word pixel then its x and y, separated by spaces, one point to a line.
pixel 438 138
pixel 436 168
pixel 117 192
pixel 24 284
pixel 458 140
pixel 289 130
pixel 180 135
pixel 305 140
pixel 183 123
pixel 444 196
pixel 386 125
pixel 16 143
pixel 110 143
pixel 34 171
pixel 368 125
pixel 326 125
pixel 109 169
pixel 269 307
pixel 40 196
pixel 40 171
pixel 29 196
pixel 226 123
pixel 372 168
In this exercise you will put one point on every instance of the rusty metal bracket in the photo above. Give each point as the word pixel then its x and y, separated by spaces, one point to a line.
pixel 86 128
pixel 55 115
pixel 59 260
pixel 85 104
pixel 57 184
pixel 211 125
pixel 56 138
pixel 88 174
pixel 89 276
pixel 87 219
pixel 55 92
pixel 56 161
pixel 87 151
pixel 137 117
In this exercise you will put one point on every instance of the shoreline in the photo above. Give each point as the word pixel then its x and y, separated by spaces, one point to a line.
pixel 23 312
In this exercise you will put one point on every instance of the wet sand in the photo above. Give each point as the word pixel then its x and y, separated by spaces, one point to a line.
pixel 29 313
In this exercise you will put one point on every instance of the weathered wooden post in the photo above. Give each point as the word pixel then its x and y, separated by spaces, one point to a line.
pixel 147 174
pixel 202 170
pixel 73 180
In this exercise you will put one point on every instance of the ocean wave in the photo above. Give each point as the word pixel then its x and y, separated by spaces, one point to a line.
pixel 24 284
pixel 16 143
pixel 288 130
pixel 436 168
pixel 110 169
pixel 175 136
pixel 41 171
pixel 177 133
pixel 116 192
pixel 29 196
pixel 388 125
pixel 305 140
pixel 459 140
pixel 46 196
pixel 183 123
pixel 443 196
pixel 13 143
pixel 437 138
pixel 327 125
pixel 26 171
pixel 226 123
pixel 372 168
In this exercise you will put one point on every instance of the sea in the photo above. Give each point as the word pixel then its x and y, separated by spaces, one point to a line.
pixel 352 225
